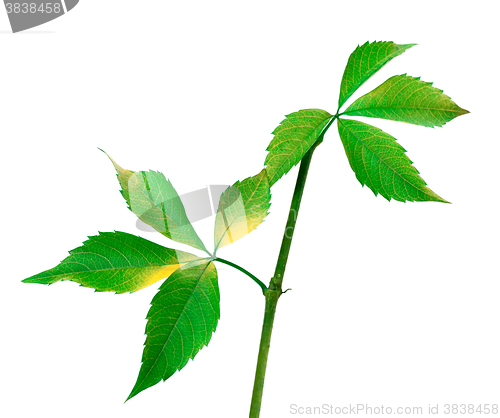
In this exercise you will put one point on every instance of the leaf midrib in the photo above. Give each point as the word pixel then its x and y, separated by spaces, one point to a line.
pixel 175 325
pixel 165 216
pixel 114 269
pixel 355 87
pixel 244 206
pixel 349 112
pixel 287 159
pixel 382 160
pixel 361 81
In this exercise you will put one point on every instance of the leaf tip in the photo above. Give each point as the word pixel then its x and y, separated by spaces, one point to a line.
pixel 107 155
pixel 135 391
pixel 438 198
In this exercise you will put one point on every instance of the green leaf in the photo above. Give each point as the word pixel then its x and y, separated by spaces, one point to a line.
pixel 181 320
pixel 381 163
pixel 242 207
pixel 292 139
pixel 407 99
pixel 116 262
pixel 365 61
pixel 154 200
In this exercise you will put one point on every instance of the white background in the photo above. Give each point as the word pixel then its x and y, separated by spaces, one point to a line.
pixel 392 304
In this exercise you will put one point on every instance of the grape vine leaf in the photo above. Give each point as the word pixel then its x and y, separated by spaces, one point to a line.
pixel 381 163
pixel 116 262
pixel 365 61
pixel 153 199
pixel 183 315
pixel 407 99
pixel 292 139
pixel 242 207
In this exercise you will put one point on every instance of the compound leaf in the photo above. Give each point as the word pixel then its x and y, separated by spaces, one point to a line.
pixel 116 262
pixel 381 163
pixel 181 320
pixel 292 139
pixel 407 99
pixel 154 200
pixel 365 61
pixel 242 207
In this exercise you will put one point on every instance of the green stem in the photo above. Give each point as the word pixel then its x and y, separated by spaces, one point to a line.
pixel 274 291
pixel 255 279
pixel 286 243
pixel 272 297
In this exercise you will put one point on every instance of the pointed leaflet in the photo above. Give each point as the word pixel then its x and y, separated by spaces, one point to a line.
pixel 242 207
pixel 154 200
pixel 381 163
pixel 292 139
pixel 365 61
pixel 116 262
pixel 407 99
pixel 181 320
